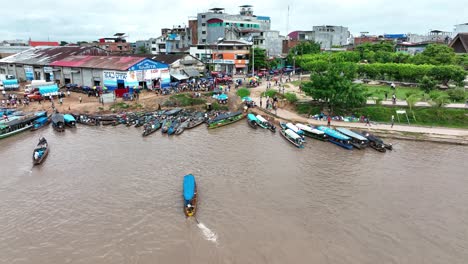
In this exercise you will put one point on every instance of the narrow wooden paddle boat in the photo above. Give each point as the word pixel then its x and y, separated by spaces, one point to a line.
pixel 151 127
pixel 292 137
pixel 357 140
pixel 336 137
pixel 182 127
pixel 252 121
pixel 40 151
pixel 190 195
pixel 225 119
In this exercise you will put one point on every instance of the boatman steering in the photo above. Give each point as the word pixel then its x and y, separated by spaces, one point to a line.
pixel 189 208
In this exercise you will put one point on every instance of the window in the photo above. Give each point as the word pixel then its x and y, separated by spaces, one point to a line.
pixel 153 42
pixel 177 45
pixel 219 56
pixel 203 40
pixel 162 46
pixel 153 49
pixel 203 24
pixel 203 32
pixel 203 16
pixel 242 25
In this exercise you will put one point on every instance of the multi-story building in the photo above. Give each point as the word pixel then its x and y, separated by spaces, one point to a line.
pixel 331 36
pixel 116 45
pixel 460 28
pixel 211 25
pixel 230 56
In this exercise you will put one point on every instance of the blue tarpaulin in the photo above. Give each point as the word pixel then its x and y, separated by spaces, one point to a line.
pixel 10 84
pixel 48 89
pixel 189 187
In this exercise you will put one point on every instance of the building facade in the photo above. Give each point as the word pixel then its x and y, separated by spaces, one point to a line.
pixel 460 28
pixel 331 36
pixel 115 45
pixel 211 24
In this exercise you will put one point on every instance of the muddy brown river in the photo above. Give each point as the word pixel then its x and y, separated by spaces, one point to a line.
pixel 107 195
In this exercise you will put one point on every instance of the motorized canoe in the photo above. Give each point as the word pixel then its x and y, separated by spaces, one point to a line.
pixel 292 137
pixel 357 140
pixel 312 132
pixel 40 151
pixel 336 137
pixel 252 121
pixel 190 195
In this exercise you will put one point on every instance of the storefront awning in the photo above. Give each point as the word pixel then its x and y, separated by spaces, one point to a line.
pixel 192 72
pixel 241 65
pixel 179 76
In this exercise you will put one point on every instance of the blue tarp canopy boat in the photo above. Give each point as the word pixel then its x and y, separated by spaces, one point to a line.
pixel 252 117
pixel 189 187
pixel 332 133
pixel 69 118
pixel 248 99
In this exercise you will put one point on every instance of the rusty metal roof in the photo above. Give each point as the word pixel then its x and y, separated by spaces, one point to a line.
pixel 121 63
pixel 43 56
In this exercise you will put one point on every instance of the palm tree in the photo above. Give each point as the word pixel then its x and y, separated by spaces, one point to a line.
pixel 411 101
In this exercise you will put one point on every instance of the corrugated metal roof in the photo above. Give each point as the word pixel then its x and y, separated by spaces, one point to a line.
pixel 121 63
pixel 46 55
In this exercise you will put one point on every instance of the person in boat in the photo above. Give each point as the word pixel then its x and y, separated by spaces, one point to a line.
pixel 36 155
pixel 189 208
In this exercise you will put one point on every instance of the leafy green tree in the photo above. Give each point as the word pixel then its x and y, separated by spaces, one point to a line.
pixel 260 59
pixel 457 95
pixel 427 84
pixel 335 89
pixel 435 54
pixel 142 50
pixel 303 48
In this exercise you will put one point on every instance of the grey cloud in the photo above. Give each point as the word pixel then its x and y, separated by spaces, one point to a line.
pixel 141 19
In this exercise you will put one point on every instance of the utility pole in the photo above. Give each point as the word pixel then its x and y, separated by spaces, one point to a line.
pixel 253 60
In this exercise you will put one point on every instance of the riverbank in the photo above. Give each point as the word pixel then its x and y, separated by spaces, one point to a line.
pixel 149 101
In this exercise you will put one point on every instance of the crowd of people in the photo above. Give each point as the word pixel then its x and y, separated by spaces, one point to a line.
pixel 12 100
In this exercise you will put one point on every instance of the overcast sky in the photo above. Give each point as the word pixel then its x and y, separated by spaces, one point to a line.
pixel 142 19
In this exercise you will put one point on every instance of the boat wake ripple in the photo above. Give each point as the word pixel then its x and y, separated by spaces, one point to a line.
pixel 209 235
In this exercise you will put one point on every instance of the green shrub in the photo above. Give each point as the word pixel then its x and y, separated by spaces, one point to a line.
pixel 217 107
pixel 270 93
pixel 308 109
pixel 427 84
pixel 243 92
pixel 457 95
pixel 291 97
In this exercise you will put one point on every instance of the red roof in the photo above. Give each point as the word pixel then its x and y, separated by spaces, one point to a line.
pixel 121 63
pixel 43 43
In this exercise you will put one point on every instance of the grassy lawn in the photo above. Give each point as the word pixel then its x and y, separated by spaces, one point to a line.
pixel 378 91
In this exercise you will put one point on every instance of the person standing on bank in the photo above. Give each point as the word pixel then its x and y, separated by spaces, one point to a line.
pixel 328 120
pixel 393 120
pixel 368 121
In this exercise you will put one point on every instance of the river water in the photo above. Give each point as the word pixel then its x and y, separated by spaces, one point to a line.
pixel 107 195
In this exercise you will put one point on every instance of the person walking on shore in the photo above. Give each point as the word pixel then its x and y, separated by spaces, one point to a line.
pixel 393 120
pixel 80 99
pixel 368 121
pixel 329 121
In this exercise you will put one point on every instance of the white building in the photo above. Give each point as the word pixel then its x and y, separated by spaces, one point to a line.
pixel 460 28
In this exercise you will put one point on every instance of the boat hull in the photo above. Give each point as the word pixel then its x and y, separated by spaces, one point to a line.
pixel 291 140
pixel 226 122
pixel 15 132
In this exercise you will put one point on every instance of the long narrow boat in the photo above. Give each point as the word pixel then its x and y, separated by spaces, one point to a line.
pixel 357 140
pixel 190 195
pixel 166 125
pixel 376 143
pixel 252 121
pixel 174 125
pixel 16 126
pixel 41 122
pixel 182 127
pixel 174 111
pixel 225 119
pixel 292 127
pixel 312 132
pixel 69 120
pixel 40 151
pixel 336 137
pixel 58 122
pixel 195 122
pixel 151 127
pixel 265 123
pixel 292 137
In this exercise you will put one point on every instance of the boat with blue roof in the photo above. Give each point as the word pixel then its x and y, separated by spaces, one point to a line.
pixel 357 140
pixel 70 120
pixel 252 121
pixel 336 137
pixel 312 132
pixel 190 195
